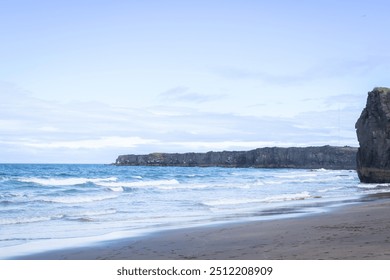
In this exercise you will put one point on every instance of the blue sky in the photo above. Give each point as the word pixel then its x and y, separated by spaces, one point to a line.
pixel 84 81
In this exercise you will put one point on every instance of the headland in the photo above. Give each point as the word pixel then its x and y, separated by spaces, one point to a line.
pixel 327 157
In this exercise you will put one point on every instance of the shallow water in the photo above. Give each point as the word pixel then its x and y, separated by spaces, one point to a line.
pixel 44 207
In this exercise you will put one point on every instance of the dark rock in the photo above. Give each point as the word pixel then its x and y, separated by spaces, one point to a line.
pixel 309 157
pixel 373 132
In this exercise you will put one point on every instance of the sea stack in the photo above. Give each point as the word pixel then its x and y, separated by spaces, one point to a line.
pixel 373 133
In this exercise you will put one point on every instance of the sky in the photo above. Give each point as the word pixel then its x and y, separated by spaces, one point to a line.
pixel 85 81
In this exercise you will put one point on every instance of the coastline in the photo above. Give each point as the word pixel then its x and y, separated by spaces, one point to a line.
pixel 311 157
pixel 356 231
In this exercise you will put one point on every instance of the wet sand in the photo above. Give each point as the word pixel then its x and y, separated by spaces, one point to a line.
pixel 358 231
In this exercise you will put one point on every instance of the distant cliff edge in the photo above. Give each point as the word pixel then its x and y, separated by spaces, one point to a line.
pixel 328 157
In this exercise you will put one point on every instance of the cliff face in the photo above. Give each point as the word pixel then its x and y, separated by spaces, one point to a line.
pixel 373 132
pixel 310 157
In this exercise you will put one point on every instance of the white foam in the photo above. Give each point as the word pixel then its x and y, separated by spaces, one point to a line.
pixel 139 184
pixel 65 181
pixel 296 175
pixel 184 186
pixel 273 182
pixel 288 197
pixel 76 199
pixel 372 186
pixel 275 198
pixel 116 189
pixel 25 220
pixel 320 170
pixel 330 189
pixel 231 201
pixel 94 213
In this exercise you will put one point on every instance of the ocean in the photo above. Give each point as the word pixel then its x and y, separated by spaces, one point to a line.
pixel 53 206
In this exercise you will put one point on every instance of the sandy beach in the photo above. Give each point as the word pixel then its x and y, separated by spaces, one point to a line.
pixel 357 231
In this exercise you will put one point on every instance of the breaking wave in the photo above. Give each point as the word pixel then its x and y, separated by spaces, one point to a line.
pixel 65 181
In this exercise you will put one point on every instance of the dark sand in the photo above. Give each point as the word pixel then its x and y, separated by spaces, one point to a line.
pixel 358 231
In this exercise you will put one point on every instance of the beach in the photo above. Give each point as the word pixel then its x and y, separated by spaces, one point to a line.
pixel 356 231
pixel 55 207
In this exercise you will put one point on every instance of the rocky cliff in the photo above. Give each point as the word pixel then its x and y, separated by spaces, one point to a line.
pixel 327 157
pixel 373 132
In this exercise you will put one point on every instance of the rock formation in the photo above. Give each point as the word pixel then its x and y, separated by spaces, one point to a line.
pixel 309 157
pixel 373 132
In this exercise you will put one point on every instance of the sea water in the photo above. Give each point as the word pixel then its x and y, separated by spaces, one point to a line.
pixel 53 206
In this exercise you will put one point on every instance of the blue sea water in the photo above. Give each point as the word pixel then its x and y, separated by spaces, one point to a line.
pixel 53 206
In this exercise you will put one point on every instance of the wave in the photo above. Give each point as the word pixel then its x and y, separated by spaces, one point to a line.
pixel 14 198
pixel 330 189
pixel 296 175
pixel 83 219
pixel 270 199
pixel 10 202
pixel 196 175
pixel 138 184
pixel 94 213
pixel 87 215
pixel 65 182
pixel 303 180
pixel 373 186
pixel 26 220
pixel 76 199
pixel 232 201
pixel 186 186
pixel 288 197
pixel 4 179
pixel 116 189
pixel 82 216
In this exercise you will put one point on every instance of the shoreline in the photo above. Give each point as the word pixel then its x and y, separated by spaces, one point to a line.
pixel 355 231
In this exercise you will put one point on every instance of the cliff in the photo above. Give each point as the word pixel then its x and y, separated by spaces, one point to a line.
pixel 327 157
pixel 373 132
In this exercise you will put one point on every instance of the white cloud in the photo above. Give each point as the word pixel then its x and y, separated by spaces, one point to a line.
pixel 231 145
pixel 101 143
pixel 49 129
pixel 184 94
pixel 37 130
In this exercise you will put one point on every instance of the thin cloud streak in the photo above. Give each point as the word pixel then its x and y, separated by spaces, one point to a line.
pixel 332 68
pixel 184 94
